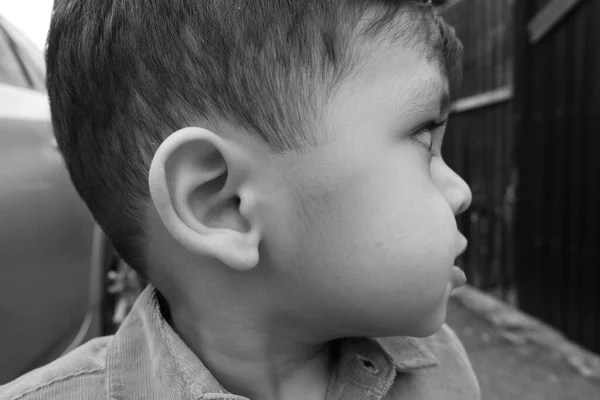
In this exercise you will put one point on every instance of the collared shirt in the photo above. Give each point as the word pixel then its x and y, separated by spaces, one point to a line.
pixel 146 359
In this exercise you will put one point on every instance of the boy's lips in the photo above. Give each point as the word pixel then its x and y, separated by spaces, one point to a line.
pixel 463 247
pixel 458 276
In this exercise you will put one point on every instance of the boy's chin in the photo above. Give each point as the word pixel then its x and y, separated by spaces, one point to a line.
pixel 429 330
pixel 429 326
pixel 433 325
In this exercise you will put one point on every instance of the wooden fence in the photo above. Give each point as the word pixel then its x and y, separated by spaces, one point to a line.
pixel 525 136
pixel 557 104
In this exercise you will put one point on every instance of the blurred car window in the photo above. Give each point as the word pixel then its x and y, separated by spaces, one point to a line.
pixel 30 56
pixel 10 66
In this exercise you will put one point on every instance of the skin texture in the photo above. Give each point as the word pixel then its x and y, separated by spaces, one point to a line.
pixel 263 258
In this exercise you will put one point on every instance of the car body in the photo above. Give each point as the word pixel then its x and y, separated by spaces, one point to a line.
pixel 53 258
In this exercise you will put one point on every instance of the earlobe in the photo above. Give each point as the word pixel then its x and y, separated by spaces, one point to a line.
pixel 197 192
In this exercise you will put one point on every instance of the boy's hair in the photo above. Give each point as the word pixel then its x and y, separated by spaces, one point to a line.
pixel 123 74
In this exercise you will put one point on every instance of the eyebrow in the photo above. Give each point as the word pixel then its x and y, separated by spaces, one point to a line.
pixel 430 96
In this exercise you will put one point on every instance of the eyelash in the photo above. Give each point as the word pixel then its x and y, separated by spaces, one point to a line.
pixel 430 128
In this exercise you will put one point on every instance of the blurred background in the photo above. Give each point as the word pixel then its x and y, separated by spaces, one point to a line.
pixel 61 282
pixel 524 135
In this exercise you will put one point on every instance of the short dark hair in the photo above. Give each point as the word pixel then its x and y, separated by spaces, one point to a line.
pixel 123 75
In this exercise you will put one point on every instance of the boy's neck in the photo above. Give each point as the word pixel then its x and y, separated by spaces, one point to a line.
pixel 253 359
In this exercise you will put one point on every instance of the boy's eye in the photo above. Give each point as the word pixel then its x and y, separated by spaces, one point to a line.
pixel 424 136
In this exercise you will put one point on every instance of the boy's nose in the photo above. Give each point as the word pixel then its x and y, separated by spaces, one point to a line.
pixel 459 196
pixel 457 192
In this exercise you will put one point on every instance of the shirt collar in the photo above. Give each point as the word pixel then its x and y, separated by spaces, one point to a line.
pixel 408 353
pixel 147 359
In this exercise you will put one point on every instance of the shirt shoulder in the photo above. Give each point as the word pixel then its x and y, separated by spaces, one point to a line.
pixel 78 375
pixel 446 345
pixel 455 370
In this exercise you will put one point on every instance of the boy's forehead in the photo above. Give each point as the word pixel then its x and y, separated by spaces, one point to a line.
pixel 423 34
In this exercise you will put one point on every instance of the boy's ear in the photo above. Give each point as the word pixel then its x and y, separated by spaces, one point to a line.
pixel 198 186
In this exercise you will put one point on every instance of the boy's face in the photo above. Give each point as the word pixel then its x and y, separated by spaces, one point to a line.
pixel 367 236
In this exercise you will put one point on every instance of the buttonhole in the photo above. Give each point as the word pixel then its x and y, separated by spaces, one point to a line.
pixel 368 365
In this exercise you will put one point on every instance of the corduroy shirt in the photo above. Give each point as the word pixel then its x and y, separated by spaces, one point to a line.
pixel 146 359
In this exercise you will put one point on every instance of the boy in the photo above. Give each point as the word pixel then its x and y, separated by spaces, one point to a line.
pixel 273 168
